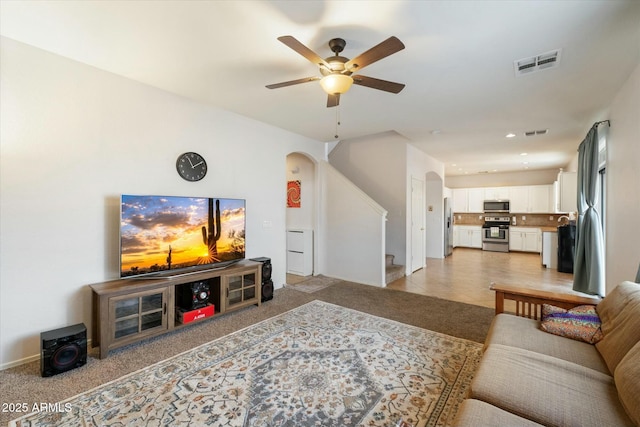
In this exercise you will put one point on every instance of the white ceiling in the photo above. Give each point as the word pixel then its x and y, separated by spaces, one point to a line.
pixel 461 96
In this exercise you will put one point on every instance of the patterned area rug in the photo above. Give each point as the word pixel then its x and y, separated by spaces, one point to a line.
pixel 316 365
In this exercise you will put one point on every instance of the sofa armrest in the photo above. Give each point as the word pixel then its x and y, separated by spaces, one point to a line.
pixel 529 301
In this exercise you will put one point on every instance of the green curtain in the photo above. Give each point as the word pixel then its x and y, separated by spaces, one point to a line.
pixel 588 268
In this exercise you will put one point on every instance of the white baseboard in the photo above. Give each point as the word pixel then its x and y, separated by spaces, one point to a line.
pixel 29 359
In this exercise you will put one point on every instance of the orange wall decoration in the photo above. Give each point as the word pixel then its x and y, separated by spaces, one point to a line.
pixel 293 194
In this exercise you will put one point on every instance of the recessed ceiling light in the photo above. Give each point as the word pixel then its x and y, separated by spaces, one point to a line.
pixel 453 164
pixel 510 135
pixel 436 132
pixel 494 170
pixel 523 154
pixel 525 163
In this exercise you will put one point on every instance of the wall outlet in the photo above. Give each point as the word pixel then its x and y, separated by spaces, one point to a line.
pixel 459 216
pixel 524 218
pixel 550 217
pixel 479 216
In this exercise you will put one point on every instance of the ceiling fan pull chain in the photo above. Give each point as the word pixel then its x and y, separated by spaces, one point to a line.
pixel 337 119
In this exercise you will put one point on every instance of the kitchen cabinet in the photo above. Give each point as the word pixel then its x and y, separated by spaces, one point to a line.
pixel 476 200
pixel 531 199
pixel 525 239
pixel 460 197
pixel 519 199
pixel 540 198
pixel 468 200
pixel 567 192
pixel 468 236
pixel 497 193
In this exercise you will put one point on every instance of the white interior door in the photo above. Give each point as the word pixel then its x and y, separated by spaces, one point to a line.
pixel 417 224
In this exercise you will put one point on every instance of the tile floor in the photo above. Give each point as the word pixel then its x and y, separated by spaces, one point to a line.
pixel 465 276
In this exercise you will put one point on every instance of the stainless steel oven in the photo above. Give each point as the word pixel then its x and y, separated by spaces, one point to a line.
pixel 496 206
pixel 495 234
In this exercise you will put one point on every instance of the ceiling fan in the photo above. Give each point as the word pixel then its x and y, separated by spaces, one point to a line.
pixel 338 72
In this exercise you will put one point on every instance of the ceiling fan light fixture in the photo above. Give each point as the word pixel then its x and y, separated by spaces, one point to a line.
pixel 334 84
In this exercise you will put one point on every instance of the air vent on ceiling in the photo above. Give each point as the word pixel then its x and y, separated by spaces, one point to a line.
pixel 536 132
pixel 544 61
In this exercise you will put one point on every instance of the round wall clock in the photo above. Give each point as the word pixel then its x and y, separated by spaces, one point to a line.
pixel 191 166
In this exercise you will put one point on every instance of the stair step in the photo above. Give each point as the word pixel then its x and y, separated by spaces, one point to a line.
pixel 393 272
pixel 388 259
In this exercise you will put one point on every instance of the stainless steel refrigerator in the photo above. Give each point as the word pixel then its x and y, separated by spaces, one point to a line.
pixel 448 227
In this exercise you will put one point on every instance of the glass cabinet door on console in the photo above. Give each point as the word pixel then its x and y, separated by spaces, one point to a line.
pixel 138 314
pixel 241 289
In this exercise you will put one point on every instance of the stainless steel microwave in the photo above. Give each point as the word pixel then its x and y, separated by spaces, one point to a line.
pixel 496 206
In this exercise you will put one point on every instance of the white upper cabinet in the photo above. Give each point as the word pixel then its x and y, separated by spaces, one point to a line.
pixel 460 196
pixel 497 193
pixel 531 199
pixel 539 198
pixel 523 199
pixel 567 192
pixel 519 199
pixel 468 199
pixel 476 200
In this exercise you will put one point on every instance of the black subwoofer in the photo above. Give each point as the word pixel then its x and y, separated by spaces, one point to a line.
pixel 63 349
pixel 267 290
pixel 267 283
pixel 192 296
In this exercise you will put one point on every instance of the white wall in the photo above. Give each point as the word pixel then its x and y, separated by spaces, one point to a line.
pixel 623 185
pixel 352 230
pixel 73 139
pixel 504 179
pixel 377 165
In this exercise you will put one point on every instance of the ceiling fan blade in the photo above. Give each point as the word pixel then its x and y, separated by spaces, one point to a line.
pixel 373 83
pixel 333 100
pixel 376 53
pixel 293 82
pixel 294 44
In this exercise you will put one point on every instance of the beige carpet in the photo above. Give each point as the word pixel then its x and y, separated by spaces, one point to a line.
pixel 23 384
pixel 317 365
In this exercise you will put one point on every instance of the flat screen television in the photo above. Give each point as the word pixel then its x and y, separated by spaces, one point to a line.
pixel 172 235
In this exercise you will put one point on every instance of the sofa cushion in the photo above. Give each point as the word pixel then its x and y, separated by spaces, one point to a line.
pixel 547 390
pixel 627 377
pixel 525 333
pixel 475 413
pixel 620 315
pixel 580 323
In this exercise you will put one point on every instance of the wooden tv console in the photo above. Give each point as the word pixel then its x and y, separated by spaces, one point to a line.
pixel 126 311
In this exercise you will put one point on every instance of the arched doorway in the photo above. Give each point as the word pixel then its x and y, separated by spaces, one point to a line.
pixel 302 207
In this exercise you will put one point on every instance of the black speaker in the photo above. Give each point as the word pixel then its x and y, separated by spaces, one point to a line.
pixel 266 267
pixel 63 349
pixel 267 290
pixel 194 295
pixel 267 283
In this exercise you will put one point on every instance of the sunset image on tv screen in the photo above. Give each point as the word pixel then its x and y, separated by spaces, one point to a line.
pixel 159 233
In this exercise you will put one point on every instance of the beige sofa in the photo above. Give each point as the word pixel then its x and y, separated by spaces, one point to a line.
pixel 528 377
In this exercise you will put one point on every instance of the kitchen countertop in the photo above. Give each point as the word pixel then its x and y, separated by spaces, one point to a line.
pixel 543 228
